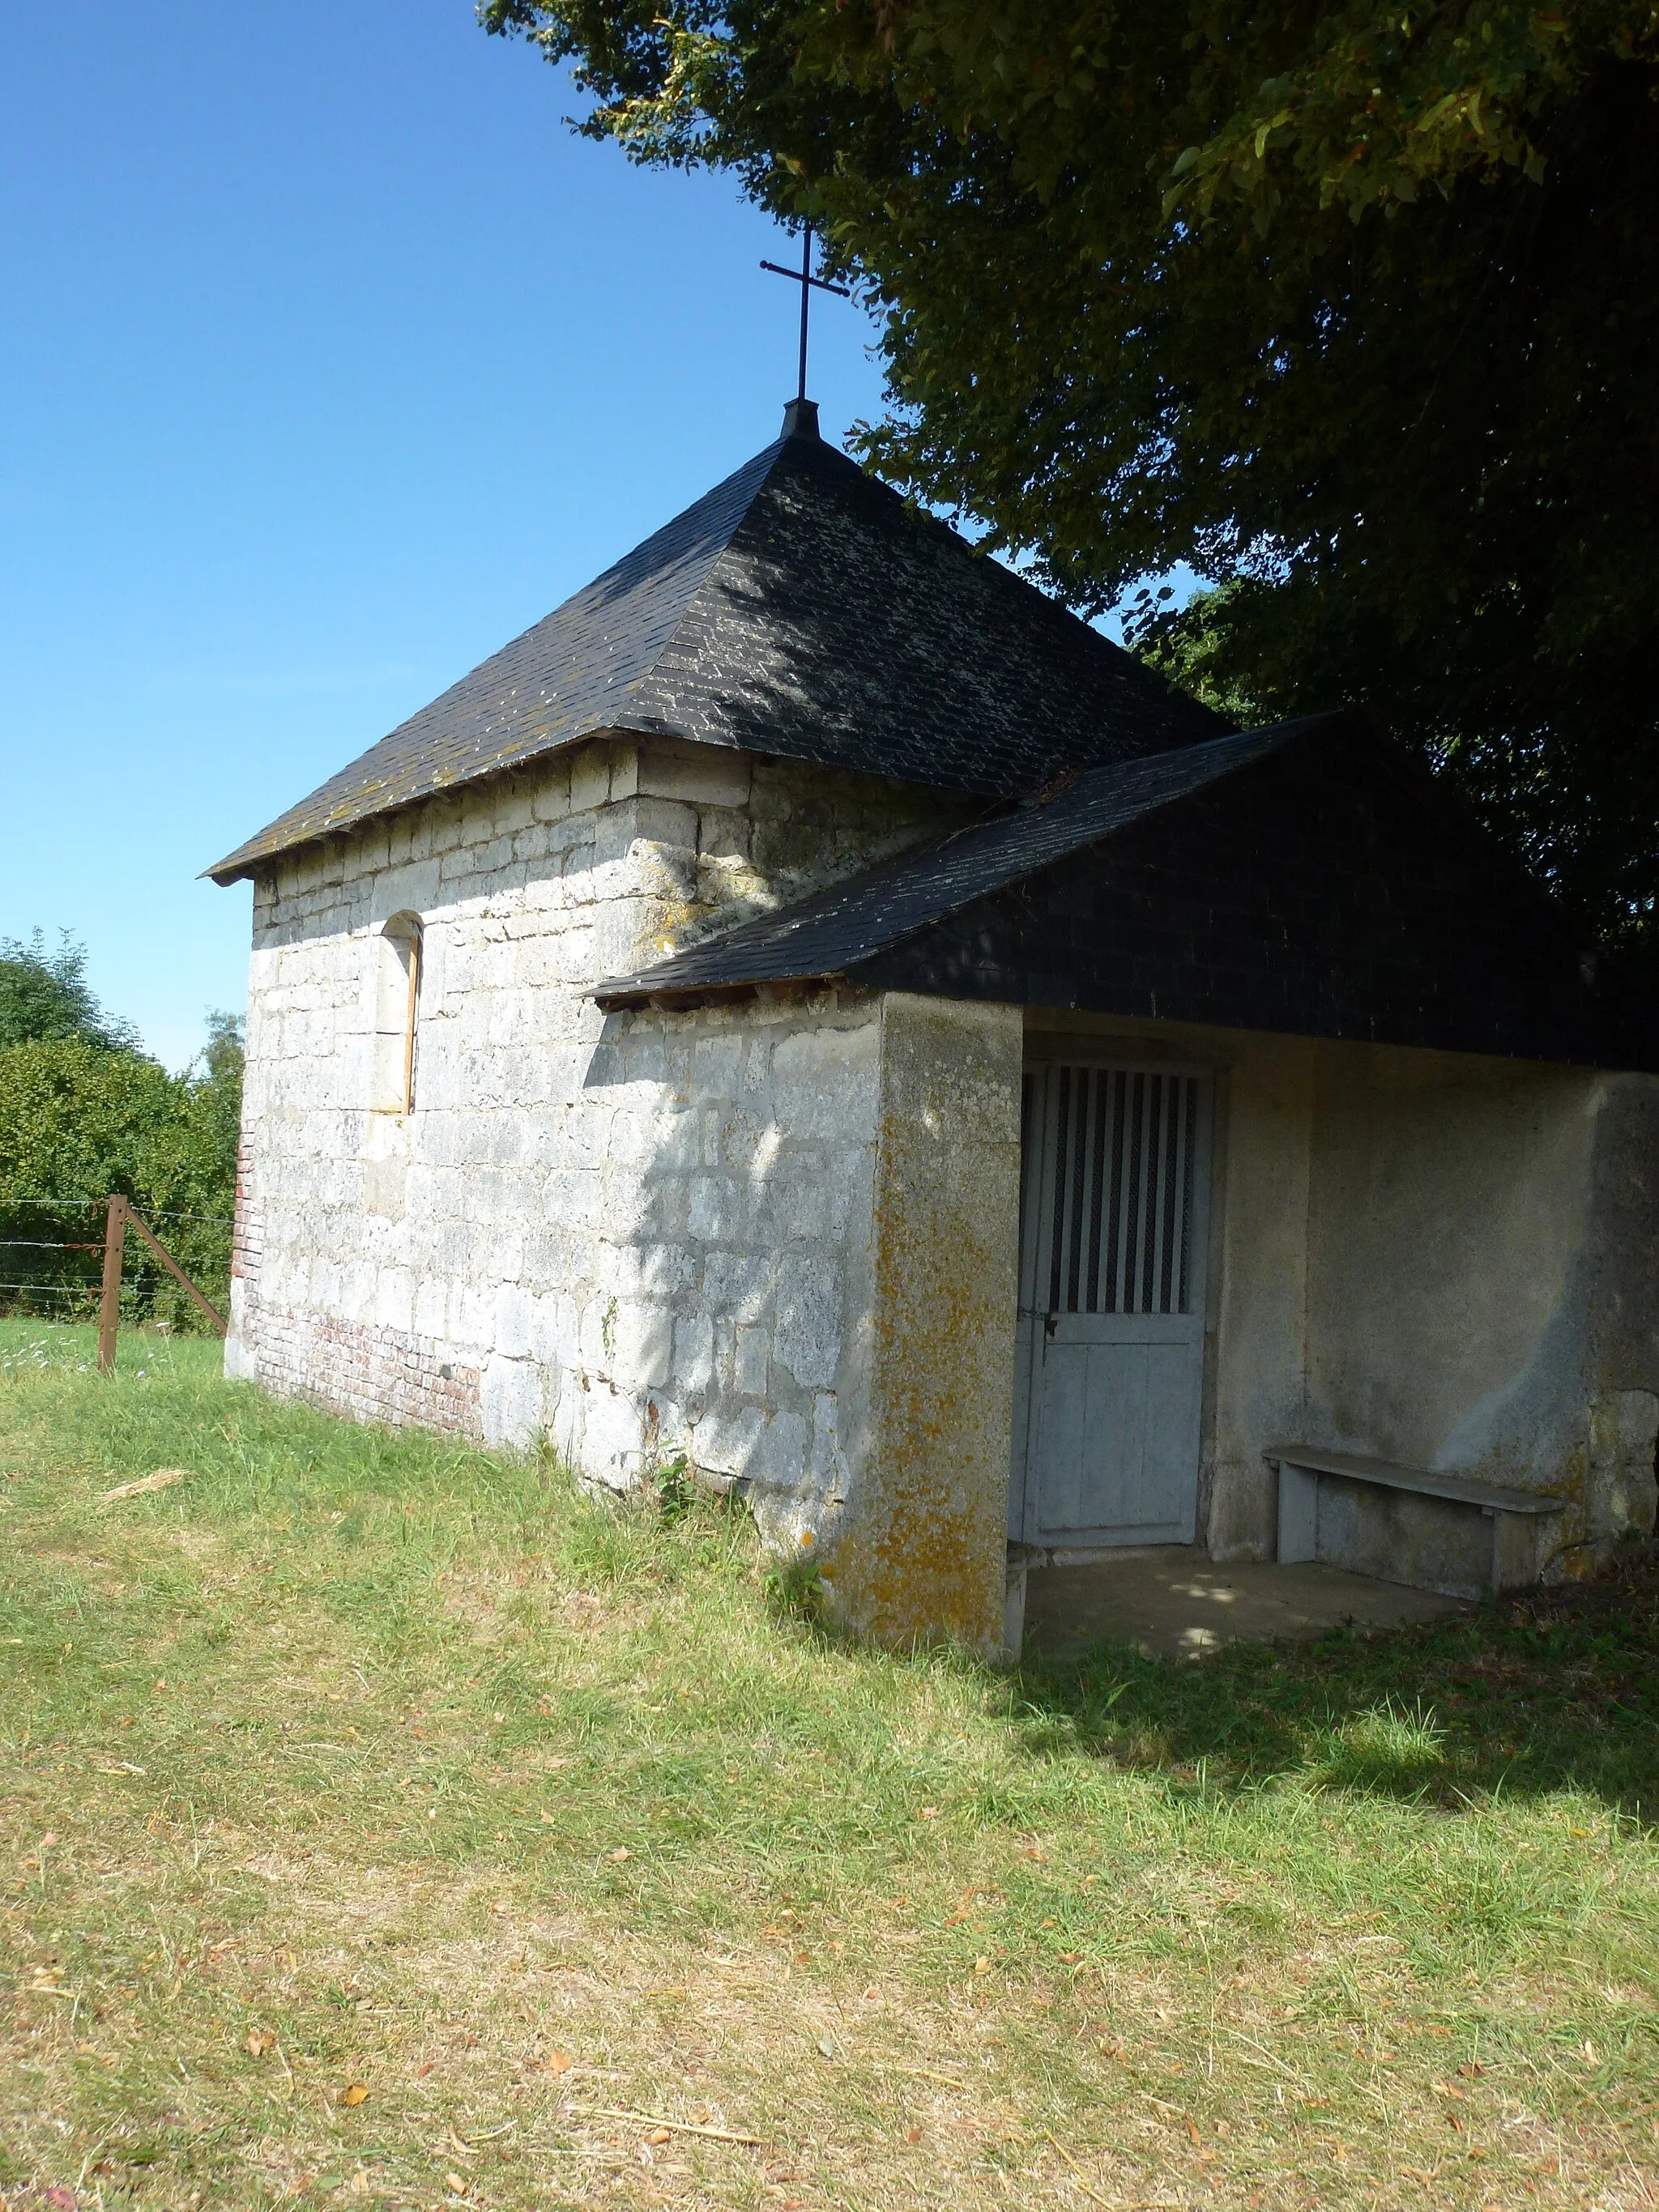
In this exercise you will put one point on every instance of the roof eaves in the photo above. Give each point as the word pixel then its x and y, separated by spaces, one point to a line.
pixel 406 772
pixel 345 819
pixel 900 897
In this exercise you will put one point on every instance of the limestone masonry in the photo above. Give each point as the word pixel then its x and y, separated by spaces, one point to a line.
pixel 641 1235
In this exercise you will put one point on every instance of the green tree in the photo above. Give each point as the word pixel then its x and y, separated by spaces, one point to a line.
pixel 213 1088
pixel 78 1122
pixel 45 994
pixel 1353 304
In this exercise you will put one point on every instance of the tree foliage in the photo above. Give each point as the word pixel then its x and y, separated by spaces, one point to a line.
pixel 1353 304
pixel 82 1119
pixel 45 994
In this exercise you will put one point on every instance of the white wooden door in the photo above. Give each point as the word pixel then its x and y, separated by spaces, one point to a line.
pixel 1114 1230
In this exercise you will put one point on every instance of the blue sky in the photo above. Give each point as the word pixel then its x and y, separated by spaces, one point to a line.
pixel 330 360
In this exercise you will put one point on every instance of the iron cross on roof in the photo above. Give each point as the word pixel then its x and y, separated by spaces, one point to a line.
pixel 806 280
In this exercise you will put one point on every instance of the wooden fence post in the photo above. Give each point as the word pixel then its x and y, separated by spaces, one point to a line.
pixel 109 1308
pixel 174 1268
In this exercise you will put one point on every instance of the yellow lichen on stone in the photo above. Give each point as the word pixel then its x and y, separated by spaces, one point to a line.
pixel 925 1558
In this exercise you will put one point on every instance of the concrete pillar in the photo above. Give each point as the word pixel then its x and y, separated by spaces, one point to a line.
pixel 923 1554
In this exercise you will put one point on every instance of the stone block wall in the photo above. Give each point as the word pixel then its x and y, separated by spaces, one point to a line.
pixel 641 1234
pixel 729 1308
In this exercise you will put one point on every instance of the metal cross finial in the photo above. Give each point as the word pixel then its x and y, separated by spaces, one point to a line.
pixel 806 280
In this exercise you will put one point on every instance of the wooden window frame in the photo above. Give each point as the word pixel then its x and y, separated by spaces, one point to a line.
pixel 402 932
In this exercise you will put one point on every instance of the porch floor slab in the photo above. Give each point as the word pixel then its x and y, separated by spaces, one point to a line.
pixel 1175 1603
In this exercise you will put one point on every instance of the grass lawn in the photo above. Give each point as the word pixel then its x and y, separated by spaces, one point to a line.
pixel 383 1822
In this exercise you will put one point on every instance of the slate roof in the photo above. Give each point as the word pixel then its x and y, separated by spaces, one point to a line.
pixel 836 930
pixel 1312 879
pixel 802 609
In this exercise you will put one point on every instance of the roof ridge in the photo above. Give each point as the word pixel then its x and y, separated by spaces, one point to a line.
pixel 801 608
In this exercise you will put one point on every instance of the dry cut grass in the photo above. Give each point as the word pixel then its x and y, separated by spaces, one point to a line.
pixel 382 1821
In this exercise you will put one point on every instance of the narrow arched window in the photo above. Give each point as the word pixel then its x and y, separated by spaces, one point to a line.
pixel 397 1013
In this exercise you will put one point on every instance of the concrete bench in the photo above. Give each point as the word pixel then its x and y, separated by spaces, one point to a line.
pixel 1308 1527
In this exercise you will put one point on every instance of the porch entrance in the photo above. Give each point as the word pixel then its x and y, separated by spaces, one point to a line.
pixel 1114 1218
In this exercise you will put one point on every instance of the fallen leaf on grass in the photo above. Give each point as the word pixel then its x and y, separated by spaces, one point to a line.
pixel 354 2095
pixel 163 1478
pixel 557 2062
pixel 259 2040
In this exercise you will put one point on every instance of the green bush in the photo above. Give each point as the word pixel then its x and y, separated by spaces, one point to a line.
pixel 78 1122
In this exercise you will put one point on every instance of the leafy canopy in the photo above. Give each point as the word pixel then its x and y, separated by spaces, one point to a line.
pixel 83 1115
pixel 46 995
pixel 1353 307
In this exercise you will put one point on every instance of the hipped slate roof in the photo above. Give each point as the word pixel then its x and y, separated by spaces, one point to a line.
pixel 800 608
pixel 1312 879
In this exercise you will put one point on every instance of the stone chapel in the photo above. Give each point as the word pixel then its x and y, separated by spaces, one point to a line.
pixel 814 1008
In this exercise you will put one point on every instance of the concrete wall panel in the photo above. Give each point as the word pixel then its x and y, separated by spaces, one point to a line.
pixel 924 1551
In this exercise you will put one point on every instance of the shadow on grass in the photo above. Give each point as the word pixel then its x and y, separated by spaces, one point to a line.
pixel 1552 1690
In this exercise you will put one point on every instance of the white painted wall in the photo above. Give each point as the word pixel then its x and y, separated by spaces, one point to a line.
pixel 1446 1261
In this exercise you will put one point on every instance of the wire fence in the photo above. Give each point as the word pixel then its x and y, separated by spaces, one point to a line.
pixel 62 1277
pixel 150 1212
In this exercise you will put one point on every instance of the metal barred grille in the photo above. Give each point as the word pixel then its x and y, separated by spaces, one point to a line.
pixel 1121 1234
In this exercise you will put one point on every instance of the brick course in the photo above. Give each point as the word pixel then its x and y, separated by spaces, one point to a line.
pixel 382 1375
